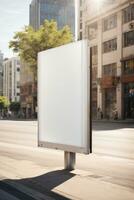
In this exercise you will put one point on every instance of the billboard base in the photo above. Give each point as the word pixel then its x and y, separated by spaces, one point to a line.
pixel 69 160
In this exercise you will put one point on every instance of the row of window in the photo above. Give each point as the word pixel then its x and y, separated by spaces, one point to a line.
pixel 111 69
pixel 128 14
pixel 110 22
pixel 111 45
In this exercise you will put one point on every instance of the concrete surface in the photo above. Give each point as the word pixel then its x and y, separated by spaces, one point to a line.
pixel 28 172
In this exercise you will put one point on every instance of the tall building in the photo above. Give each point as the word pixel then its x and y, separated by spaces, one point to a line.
pixel 109 26
pixel 1 74
pixel 11 79
pixel 28 91
pixel 63 11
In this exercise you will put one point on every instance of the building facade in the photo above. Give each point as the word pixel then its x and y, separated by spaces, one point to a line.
pixel 11 79
pixel 62 11
pixel 28 91
pixel 1 74
pixel 109 26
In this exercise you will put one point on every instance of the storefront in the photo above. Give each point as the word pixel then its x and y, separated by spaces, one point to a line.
pixel 94 103
pixel 128 88
pixel 110 102
pixel 129 100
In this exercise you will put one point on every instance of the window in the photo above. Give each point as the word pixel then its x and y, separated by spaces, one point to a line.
pixel 110 45
pixel 109 22
pixel 92 31
pixel 110 70
pixel 128 38
pixel 128 66
pixel 128 14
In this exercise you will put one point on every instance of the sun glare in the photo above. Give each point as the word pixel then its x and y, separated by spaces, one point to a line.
pixel 99 2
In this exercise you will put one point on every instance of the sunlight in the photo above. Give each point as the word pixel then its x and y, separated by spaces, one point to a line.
pixel 98 3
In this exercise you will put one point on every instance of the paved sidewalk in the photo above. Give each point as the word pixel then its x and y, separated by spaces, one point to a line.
pixel 76 185
pixel 31 173
pixel 46 183
pixel 86 186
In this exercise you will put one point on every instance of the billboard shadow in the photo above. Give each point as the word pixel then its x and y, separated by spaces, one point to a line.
pixel 43 184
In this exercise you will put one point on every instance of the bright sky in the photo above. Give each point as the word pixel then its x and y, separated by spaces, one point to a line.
pixel 14 15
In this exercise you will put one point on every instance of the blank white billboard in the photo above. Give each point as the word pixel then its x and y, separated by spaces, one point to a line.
pixel 63 98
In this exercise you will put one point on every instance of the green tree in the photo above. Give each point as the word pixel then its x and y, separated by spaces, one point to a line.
pixel 29 42
pixel 4 103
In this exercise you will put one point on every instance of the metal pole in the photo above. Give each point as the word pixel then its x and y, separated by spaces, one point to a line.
pixel 69 160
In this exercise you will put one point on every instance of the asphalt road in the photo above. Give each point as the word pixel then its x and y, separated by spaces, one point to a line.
pixel 26 169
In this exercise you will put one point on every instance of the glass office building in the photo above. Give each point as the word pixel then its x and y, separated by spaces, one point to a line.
pixel 63 11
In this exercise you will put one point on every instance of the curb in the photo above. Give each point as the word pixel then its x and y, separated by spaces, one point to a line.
pixel 113 121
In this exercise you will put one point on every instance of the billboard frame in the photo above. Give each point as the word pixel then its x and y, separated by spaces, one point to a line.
pixel 72 148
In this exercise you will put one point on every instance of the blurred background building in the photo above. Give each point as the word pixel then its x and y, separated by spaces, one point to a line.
pixel 1 73
pixel 28 94
pixel 109 26
pixel 11 79
pixel 62 11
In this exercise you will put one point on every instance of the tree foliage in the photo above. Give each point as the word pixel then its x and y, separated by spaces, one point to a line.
pixel 29 42
pixel 4 103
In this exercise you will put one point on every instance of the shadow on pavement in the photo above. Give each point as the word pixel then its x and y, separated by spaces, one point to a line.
pixel 43 184
pixel 103 126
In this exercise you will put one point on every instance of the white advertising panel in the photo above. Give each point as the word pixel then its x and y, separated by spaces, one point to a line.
pixel 63 98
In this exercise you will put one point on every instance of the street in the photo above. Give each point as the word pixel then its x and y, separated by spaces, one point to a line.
pixel 29 172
